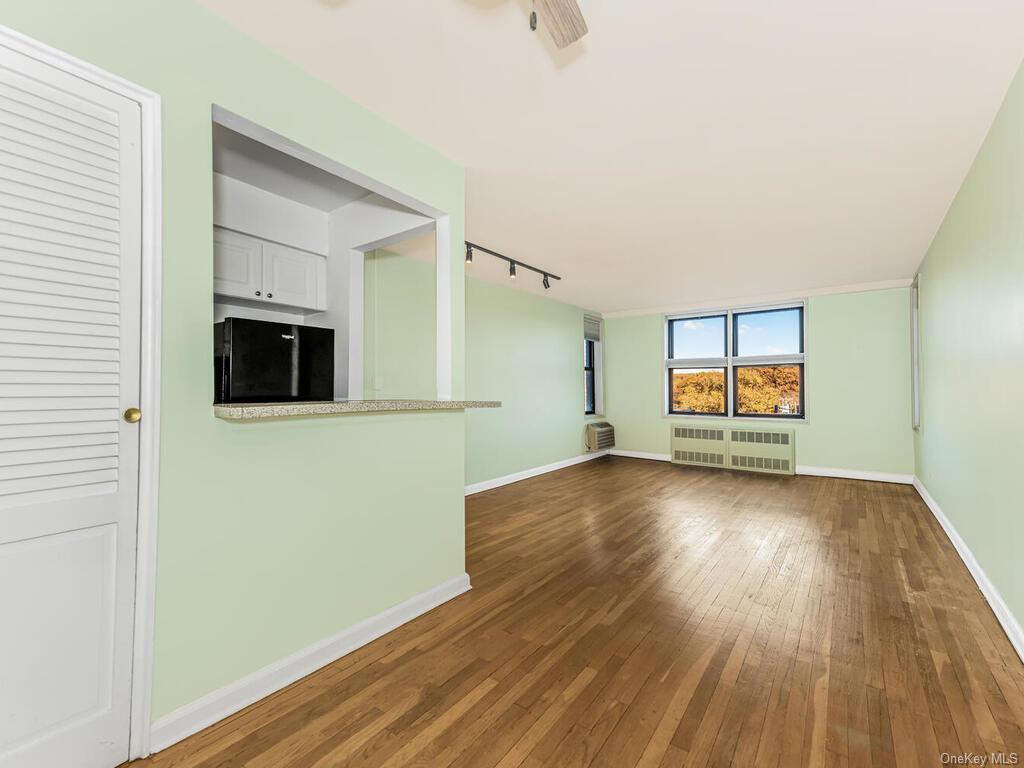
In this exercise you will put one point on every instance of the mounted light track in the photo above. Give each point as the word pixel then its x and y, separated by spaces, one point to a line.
pixel 512 263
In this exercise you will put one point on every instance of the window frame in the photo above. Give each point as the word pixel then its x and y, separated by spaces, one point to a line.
pixel 731 361
pixel 590 351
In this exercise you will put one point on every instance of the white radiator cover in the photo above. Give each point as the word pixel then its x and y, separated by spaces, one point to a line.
pixel 748 449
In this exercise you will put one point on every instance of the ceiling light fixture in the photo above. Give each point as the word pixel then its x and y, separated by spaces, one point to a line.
pixel 513 264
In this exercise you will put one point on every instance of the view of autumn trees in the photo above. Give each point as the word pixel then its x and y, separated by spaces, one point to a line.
pixel 698 391
pixel 766 389
pixel 769 389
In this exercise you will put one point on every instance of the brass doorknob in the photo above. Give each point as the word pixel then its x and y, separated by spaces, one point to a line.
pixel 133 415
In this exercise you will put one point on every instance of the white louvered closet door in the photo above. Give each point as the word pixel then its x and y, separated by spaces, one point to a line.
pixel 70 260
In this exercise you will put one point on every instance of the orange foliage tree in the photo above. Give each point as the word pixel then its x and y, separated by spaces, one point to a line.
pixel 698 391
pixel 768 389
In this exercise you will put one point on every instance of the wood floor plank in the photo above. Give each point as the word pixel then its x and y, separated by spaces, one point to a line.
pixel 634 613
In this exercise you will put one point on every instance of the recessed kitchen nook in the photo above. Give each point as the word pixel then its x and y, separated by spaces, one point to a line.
pixel 310 315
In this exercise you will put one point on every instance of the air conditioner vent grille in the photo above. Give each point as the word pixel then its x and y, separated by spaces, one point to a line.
pixel 600 436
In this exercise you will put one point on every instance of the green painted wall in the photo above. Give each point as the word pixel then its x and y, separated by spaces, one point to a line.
pixel 522 349
pixel 526 351
pixel 971 442
pixel 275 535
pixel 858 383
pixel 399 327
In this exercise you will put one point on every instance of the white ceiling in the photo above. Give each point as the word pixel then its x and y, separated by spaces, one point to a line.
pixel 268 169
pixel 686 151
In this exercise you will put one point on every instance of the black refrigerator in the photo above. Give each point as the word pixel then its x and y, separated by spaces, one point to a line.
pixel 260 362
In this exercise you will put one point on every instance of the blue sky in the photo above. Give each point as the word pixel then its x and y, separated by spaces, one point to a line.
pixel 774 332
pixel 768 333
pixel 699 337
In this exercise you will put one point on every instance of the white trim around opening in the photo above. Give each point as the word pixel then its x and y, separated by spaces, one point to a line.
pixel 441 225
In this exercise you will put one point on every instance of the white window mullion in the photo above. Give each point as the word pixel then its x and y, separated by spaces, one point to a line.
pixel 697 362
pixel 770 360
pixel 730 406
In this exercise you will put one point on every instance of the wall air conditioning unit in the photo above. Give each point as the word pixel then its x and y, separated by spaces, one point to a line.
pixel 699 446
pixel 600 436
pixel 762 450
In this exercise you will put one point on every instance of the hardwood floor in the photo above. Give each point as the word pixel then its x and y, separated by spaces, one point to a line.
pixel 634 613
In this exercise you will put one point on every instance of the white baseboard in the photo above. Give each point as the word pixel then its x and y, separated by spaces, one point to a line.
pixel 641 455
pixel 215 706
pixel 850 474
pixel 855 474
pixel 515 477
pixel 1008 621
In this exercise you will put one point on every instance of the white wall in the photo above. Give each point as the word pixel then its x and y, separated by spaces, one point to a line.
pixel 364 225
pixel 222 309
pixel 245 208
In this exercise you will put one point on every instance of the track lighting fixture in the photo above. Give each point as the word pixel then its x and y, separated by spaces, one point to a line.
pixel 513 264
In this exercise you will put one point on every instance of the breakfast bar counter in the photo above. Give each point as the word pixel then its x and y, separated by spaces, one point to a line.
pixel 263 411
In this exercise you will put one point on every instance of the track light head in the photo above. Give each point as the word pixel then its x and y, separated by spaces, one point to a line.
pixel 512 270
pixel 469 254
pixel 547 282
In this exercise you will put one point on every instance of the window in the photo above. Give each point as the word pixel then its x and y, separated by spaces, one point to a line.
pixel 747 363
pixel 592 366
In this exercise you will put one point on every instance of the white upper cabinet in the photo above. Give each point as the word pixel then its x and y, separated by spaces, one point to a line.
pixel 248 268
pixel 293 277
pixel 237 265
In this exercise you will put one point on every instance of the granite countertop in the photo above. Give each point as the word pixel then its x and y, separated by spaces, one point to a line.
pixel 257 411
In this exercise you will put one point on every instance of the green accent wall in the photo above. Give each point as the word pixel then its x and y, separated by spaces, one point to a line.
pixel 526 351
pixel 522 349
pixel 971 442
pixel 399 327
pixel 858 384
pixel 273 535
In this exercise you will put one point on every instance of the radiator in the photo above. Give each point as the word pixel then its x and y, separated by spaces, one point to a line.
pixel 748 449
pixel 600 436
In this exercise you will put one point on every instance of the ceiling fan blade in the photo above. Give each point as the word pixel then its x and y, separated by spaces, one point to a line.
pixel 564 20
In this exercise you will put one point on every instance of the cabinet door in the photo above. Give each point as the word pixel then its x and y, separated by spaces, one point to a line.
pixel 294 277
pixel 237 265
